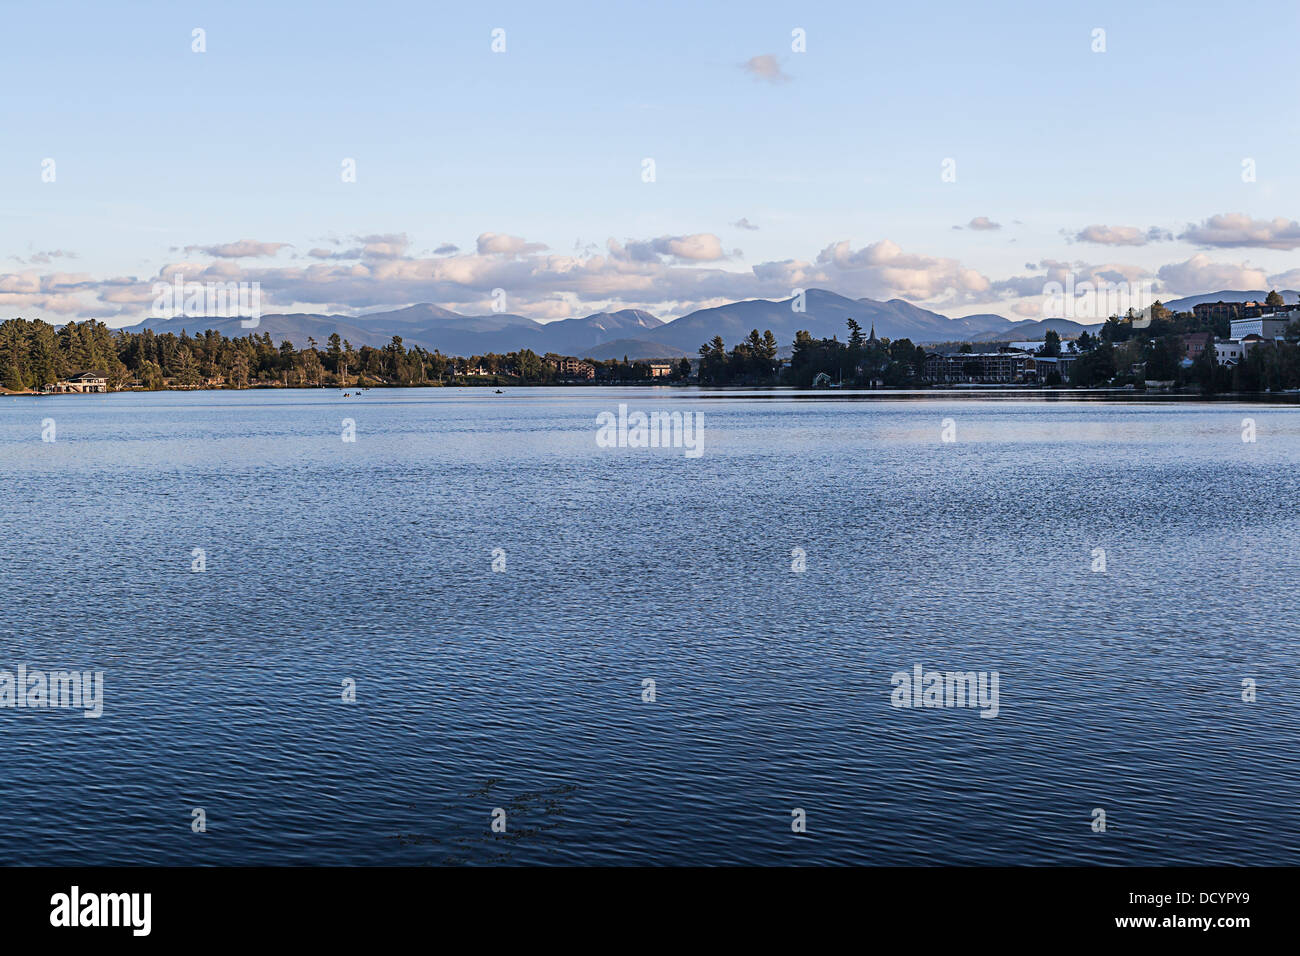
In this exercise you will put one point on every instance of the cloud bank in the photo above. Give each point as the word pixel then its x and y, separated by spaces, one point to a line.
pixel 665 274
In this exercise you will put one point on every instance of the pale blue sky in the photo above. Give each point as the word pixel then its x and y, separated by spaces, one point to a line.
pixel 158 148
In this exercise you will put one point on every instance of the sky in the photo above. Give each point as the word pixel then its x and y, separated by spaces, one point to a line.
pixel 666 156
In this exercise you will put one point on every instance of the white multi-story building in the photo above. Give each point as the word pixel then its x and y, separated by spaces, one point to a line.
pixel 1229 352
pixel 1265 326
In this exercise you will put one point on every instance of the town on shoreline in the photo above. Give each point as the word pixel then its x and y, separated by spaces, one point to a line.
pixel 1216 349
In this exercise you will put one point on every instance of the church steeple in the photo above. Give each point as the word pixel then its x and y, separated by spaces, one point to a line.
pixel 872 337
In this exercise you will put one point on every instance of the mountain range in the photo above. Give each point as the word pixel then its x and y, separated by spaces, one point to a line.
pixel 639 335
pixel 605 335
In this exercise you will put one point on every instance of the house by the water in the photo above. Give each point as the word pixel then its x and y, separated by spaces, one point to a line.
pixel 87 381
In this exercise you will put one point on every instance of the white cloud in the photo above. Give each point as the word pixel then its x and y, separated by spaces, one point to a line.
pixel 1052 276
pixel 664 274
pixel 243 249
pixel 1285 280
pixel 1120 235
pixel 495 243
pixel 883 270
pixel 1199 274
pixel 668 274
pixel 698 247
pixel 1230 230
pixel 1112 235
pixel 380 246
pixel 387 246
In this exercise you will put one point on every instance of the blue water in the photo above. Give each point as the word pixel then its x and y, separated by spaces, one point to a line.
pixel 371 561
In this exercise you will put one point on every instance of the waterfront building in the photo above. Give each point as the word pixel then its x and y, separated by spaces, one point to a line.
pixel 87 381
pixel 991 368
pixel 566 367
pixel 1040 367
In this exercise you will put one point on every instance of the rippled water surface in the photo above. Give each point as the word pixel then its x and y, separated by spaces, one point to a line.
pixel 371 561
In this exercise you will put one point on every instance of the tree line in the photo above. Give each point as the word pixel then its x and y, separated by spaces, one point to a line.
pixel 34 354
pixel 1124 352
pixel 860 360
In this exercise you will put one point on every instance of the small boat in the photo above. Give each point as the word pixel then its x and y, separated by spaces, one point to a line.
pixel 499 392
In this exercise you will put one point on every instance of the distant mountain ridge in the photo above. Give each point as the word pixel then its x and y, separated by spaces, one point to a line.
pixel 1032 331
pixel 431 327
pixel 640 335
pixel 631 332
pixel 1289 296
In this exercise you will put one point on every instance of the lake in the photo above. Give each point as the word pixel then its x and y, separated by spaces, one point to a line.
pixel 1123 568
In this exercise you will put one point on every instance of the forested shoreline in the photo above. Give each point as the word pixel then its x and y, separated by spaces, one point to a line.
pixel 35 355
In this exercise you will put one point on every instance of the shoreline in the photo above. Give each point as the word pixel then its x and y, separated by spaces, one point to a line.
pixel 992 392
